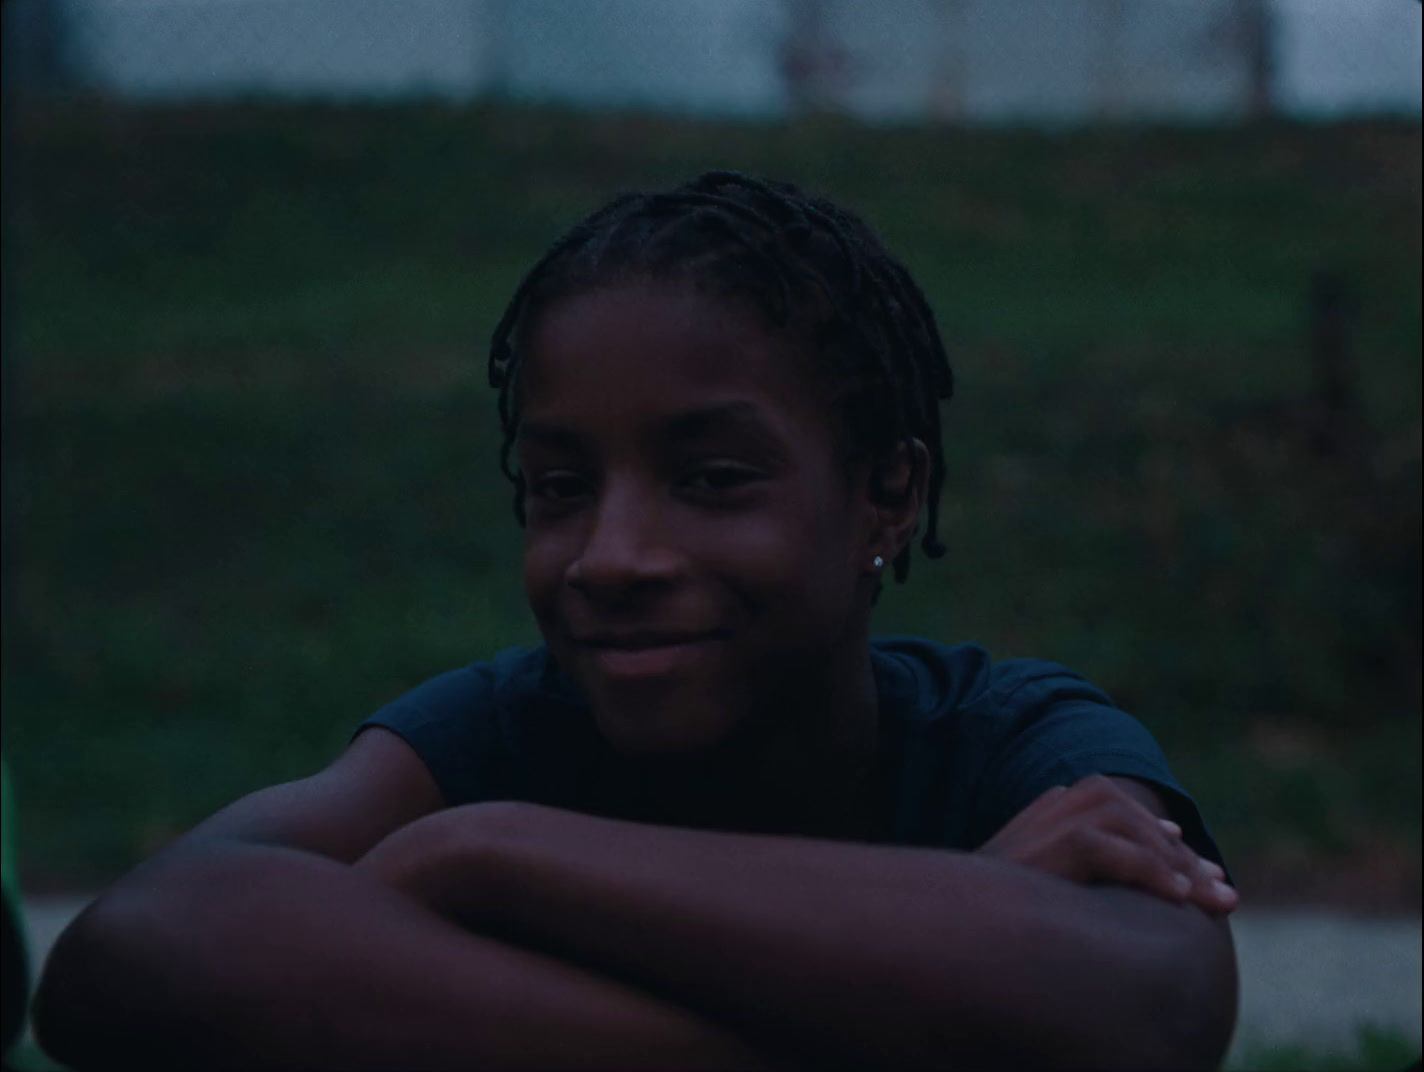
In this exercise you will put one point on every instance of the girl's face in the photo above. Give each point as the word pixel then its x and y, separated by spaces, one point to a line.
pixel 695 552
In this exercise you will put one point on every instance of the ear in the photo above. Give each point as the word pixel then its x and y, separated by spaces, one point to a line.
pixel 895 500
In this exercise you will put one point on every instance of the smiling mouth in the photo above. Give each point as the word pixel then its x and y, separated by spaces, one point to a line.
pixel 647 655
pixel 642 640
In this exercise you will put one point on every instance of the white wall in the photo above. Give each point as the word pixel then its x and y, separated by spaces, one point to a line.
pixel 979 60
pixel 304 47
pixel 1340 56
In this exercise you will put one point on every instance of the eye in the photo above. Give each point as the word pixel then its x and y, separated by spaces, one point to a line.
pixel 720 478
pixel 558 486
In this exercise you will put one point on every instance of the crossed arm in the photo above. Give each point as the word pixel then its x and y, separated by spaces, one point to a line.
pixel 517 936
pixel 874 956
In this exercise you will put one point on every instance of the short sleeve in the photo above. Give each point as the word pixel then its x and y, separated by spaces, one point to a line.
pixel 452 723
pixel 1055 728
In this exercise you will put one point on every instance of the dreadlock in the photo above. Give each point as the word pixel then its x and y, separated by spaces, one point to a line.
pixel 805 262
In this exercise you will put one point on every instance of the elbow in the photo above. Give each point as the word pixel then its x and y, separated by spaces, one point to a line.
pixel 1195 1009
pixel 92 994
pixel 66 1010
pixel 79 995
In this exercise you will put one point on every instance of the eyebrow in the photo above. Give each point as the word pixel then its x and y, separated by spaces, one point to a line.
pixel 691 425
pixel 549 435
pixel 709 420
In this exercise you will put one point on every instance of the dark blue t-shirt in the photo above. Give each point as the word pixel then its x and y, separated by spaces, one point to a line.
pixel 966 743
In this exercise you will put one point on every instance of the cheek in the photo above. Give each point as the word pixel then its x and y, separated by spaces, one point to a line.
pixel 800 552
pixel 828 559
pixel 545 562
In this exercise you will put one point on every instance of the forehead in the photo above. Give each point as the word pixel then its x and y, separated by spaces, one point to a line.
pixel 638 352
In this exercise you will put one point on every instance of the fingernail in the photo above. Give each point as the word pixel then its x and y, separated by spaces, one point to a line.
pixel 1223 891
pixel 1170 826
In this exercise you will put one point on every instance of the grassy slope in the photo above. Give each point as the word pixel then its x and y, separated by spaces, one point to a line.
pixel 259 491
pixel 1375 1050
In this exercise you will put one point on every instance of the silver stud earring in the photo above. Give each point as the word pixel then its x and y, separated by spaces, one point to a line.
pixel 877 562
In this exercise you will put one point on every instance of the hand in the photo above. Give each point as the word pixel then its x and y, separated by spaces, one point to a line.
pixel 1094 831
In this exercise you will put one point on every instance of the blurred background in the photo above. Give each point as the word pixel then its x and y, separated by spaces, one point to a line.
pixel 253 250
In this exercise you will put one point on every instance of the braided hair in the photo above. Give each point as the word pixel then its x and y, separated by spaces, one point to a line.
pixel 810 266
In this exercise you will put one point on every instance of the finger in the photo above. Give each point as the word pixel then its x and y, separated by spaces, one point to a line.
pixel 1165 864
pixel 1178 873
pixel 1215 870
pixel 1140 821
pixel 1210 891
pixel 1226 897
pixel 1184 855
pixel 1016 838
pixel 1127 861
pixel 1127 818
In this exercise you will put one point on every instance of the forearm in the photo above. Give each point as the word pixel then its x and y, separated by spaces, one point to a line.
pixel 892 957
pixel 248 956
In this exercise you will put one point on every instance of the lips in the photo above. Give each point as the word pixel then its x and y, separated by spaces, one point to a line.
pixel 647 653
pixel 642 639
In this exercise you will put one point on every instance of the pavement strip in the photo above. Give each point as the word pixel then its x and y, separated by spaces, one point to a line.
pixel 1307 976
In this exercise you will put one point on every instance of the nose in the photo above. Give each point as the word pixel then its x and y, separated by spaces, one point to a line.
pixel 625 547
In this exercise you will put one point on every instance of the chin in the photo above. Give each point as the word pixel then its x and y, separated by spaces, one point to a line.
pixel 673 732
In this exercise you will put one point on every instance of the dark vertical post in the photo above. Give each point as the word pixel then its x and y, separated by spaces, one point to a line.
pixel 1257 36
pixel 951 84
pixel 813 65
pixel 1112 59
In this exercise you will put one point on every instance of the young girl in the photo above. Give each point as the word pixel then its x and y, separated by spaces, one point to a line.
pixel 709 822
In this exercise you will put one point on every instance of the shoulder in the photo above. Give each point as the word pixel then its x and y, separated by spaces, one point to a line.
pixel 937 681
pixel 509 676
pixel 464 723
pixel 1011 722
pixel 1001 732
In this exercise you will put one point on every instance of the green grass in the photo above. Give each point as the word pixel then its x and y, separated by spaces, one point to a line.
pixel 1376 1049
pixel 256 456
